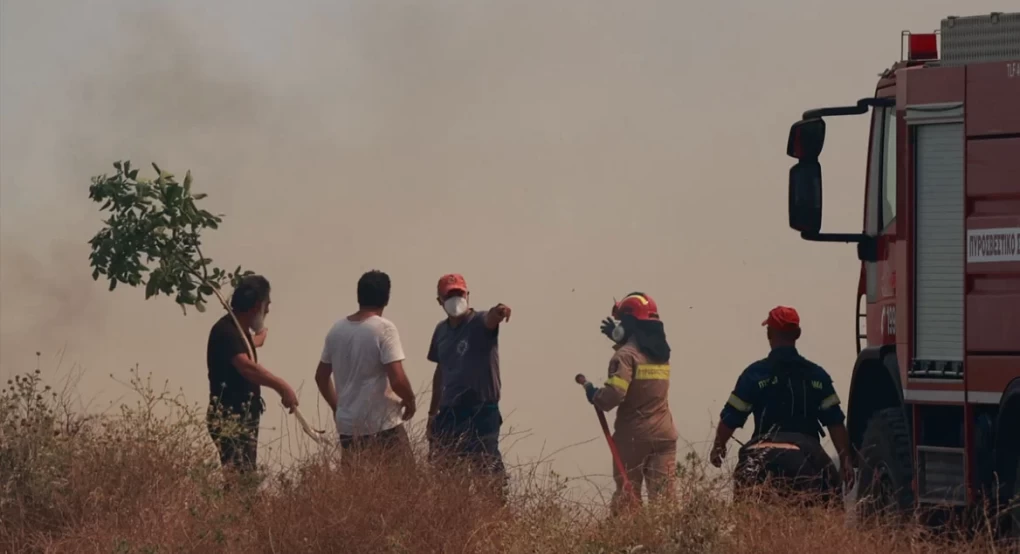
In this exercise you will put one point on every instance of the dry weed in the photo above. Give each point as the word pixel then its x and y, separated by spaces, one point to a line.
pixel 146 479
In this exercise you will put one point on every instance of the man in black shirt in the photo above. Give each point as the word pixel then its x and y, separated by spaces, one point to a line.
pixel 790 399
pixel 236 378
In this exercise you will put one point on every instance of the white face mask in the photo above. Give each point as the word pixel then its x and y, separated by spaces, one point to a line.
pixel 455 306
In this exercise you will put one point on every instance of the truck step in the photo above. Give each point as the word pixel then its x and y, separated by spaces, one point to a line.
pixel 941 477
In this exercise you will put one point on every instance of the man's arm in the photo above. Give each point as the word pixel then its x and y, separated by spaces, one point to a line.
pixel 437 391
pixel 831 415
pixel 723 433
pixel 437 376
pixel 323 378
pixel 841 440
pixel 734 414
pixel 402 387
pixel 391 353
pixel 621 371
pixel 496 315
pixel 255 373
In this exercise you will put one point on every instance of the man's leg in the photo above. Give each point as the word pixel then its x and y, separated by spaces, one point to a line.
pixel 223 447
pixel 824 477
pixel 660 471
pixel 250 444
pixel 749 471
pixel 480 445
pixel 225 431
pixel 633 454
pixel 393 446
pixel 401 445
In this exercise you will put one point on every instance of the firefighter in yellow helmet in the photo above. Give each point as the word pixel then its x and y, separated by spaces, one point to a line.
pixel 638 384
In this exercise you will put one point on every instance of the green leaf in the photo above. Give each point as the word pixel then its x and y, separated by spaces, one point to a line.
pixel 151 288
pixel 200 306
pixel 152 235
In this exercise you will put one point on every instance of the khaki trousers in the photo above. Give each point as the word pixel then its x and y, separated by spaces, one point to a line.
pixel 650 464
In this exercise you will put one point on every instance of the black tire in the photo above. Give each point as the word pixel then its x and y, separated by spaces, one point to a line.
pixel 1014 511
pixel 886 466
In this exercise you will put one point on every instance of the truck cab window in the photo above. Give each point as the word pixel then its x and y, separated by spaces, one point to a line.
pixel 881 197
pixel 889 169
pixel 873 195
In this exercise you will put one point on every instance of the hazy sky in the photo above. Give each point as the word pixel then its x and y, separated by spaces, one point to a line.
pixel 557 153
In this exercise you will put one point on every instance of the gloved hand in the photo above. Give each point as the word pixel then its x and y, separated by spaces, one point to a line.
pixel 589 391
pixel 607 327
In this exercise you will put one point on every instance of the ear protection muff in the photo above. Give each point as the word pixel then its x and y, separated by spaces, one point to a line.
pixel 619 333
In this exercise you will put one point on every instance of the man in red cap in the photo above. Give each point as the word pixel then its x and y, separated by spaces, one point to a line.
pixel 638 386
pixel 791 398
pixel 464 417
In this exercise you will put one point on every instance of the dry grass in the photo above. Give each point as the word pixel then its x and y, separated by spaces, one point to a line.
pixel 146 480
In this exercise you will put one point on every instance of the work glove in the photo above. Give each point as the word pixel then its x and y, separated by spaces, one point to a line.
pixel 607 327
pixel 589 391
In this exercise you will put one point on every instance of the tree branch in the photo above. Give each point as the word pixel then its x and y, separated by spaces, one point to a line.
pixel 201 257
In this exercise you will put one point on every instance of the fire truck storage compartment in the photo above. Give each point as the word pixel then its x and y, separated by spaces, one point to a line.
pixel 980 39
pixel 939 244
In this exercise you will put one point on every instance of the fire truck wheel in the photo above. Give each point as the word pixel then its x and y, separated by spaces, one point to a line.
pixel 886 468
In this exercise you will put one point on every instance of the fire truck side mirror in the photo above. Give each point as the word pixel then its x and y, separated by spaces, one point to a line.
pixel 806 197
pixel 806 139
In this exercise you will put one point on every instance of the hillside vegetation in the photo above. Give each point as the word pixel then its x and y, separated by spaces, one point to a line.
pixel 146 480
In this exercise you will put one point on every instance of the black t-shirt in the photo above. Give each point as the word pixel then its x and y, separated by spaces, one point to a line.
pixel 225 382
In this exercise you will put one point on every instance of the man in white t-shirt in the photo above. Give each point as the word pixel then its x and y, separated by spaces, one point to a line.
pixel 369 394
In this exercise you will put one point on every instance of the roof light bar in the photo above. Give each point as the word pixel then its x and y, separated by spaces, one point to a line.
pixel 922 46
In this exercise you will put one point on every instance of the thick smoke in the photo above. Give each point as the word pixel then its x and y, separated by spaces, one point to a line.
pixel 556 153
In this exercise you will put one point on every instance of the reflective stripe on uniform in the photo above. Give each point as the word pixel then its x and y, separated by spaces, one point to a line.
pixel 652 371
pixel 830 401
pixel 618 382
pixel 739 404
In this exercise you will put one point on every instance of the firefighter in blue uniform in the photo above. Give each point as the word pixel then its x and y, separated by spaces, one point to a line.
pixel 791 399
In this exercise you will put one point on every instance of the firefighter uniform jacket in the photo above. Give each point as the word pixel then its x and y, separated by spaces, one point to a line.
pixel 785 392
pixel 641 390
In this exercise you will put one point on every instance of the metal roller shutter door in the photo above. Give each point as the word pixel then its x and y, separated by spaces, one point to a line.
pixel 940 242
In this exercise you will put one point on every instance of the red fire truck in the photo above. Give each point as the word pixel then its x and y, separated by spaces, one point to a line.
pixel 934 403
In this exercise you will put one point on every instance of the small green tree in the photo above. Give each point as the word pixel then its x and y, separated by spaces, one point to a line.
pixel 153 236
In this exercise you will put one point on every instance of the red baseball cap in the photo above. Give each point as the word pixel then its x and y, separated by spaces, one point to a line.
pixel 451 282
pixel 783 318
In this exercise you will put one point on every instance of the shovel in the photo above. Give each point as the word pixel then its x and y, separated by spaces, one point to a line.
pixel 627 487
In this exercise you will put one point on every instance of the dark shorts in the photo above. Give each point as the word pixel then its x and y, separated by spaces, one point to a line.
pixel 470 433
pixel 389 445
pixel 235 433
pixel 796 463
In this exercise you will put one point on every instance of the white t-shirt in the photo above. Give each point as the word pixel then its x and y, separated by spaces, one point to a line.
pixel 359 352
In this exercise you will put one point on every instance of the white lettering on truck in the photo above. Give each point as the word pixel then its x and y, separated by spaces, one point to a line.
pixel 993 245
pixel 889 319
